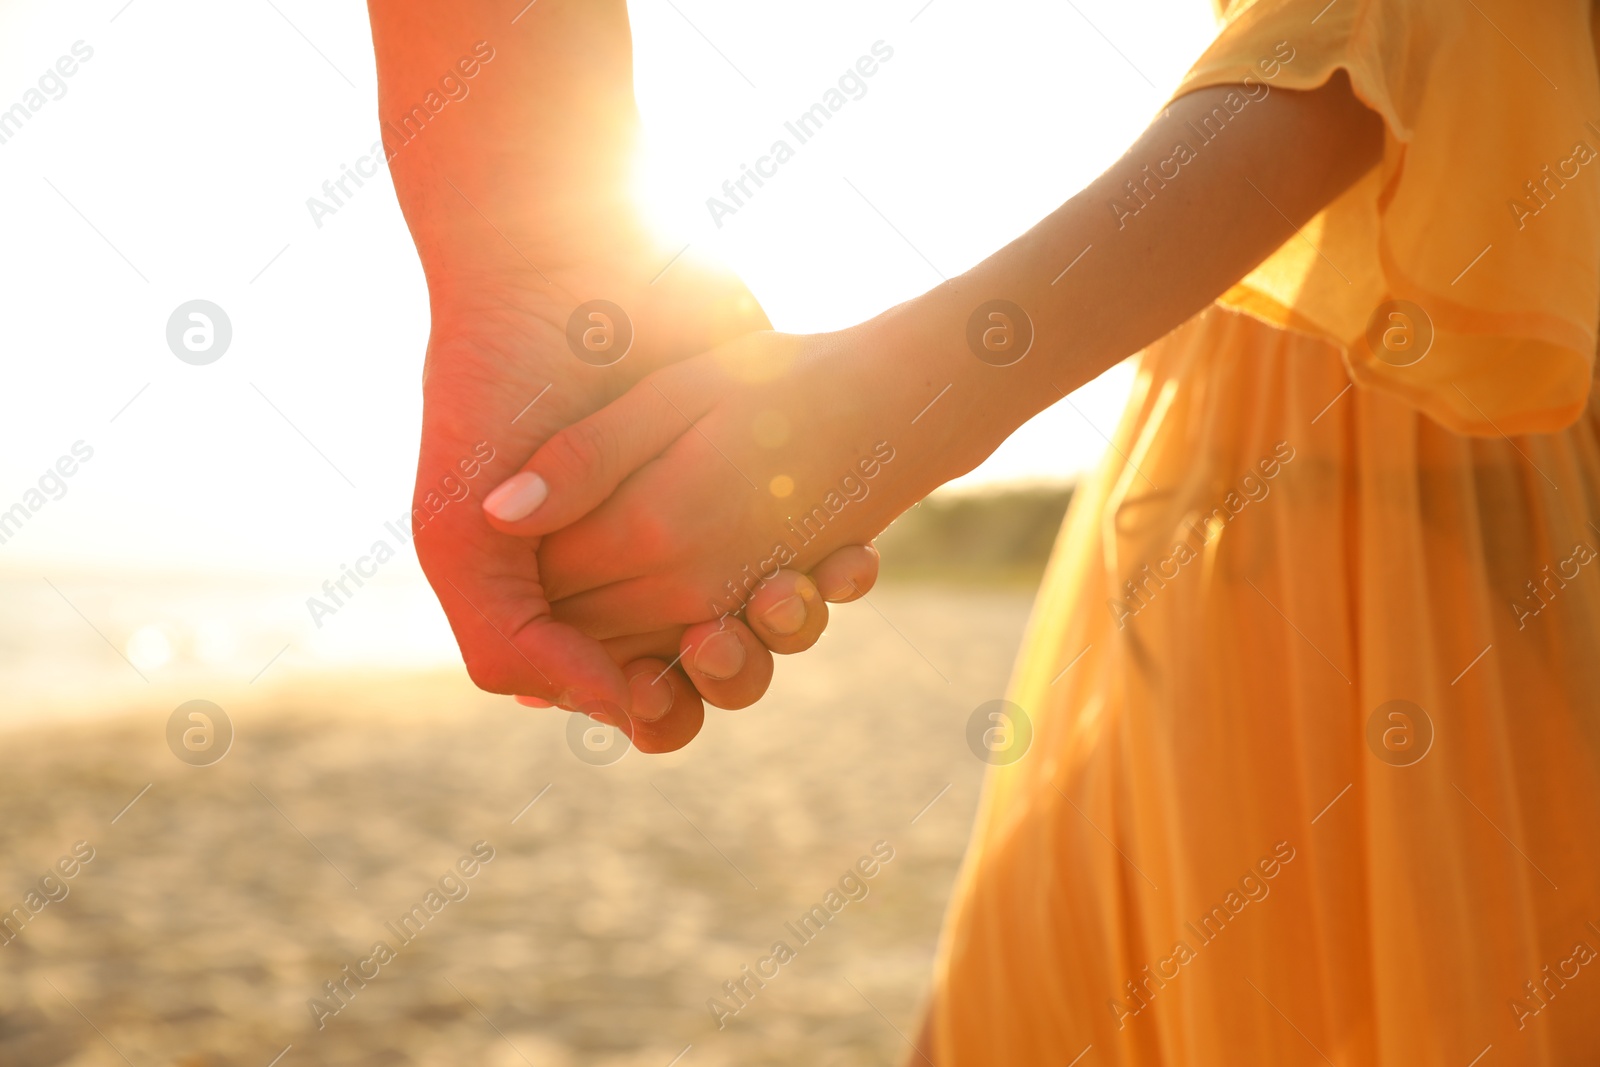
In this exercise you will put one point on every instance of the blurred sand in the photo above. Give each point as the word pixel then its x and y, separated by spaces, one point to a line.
pixel 222 900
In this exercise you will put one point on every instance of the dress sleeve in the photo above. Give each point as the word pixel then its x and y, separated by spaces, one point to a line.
pixel 1463 273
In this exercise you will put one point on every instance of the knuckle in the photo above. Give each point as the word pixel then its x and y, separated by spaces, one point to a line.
pixel 694 602
pixel 491 673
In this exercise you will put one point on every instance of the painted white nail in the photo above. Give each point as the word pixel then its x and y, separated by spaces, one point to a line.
pixel 516 497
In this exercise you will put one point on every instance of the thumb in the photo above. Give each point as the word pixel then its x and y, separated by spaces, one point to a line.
pixel 581 465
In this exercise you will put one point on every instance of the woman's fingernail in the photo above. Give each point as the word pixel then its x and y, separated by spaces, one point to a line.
pixel 516 497
pixel 786 616
pixel 652 695
pixel 720 656
pixel 534 702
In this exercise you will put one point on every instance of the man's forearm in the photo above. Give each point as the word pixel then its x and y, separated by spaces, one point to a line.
pixel 522 127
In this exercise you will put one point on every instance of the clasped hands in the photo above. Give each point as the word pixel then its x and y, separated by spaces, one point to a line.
pixel 638 558
pixel 655 528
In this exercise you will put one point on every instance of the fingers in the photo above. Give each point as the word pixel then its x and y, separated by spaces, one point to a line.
pixel 578 468
pixel 652 602
pixel 510 644
pixel 847 574
pixel 729 663
pixel 787 613
pixel 667 713
pixel 732 671
pixel 726 662
pixel 790 611
pixel 657 601
pixel 650 684
pixel 658 644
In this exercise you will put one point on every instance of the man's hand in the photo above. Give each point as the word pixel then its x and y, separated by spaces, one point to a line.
pixel 511 147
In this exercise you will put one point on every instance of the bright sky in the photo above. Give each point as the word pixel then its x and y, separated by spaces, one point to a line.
pixel 177 163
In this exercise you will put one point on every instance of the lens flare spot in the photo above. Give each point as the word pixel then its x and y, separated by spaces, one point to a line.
pixel 781 486
pixel 148 648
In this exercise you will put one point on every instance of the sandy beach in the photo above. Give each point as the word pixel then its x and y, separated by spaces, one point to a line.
pixel 616 901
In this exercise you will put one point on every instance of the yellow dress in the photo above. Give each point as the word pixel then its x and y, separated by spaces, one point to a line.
pixel 1312 689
